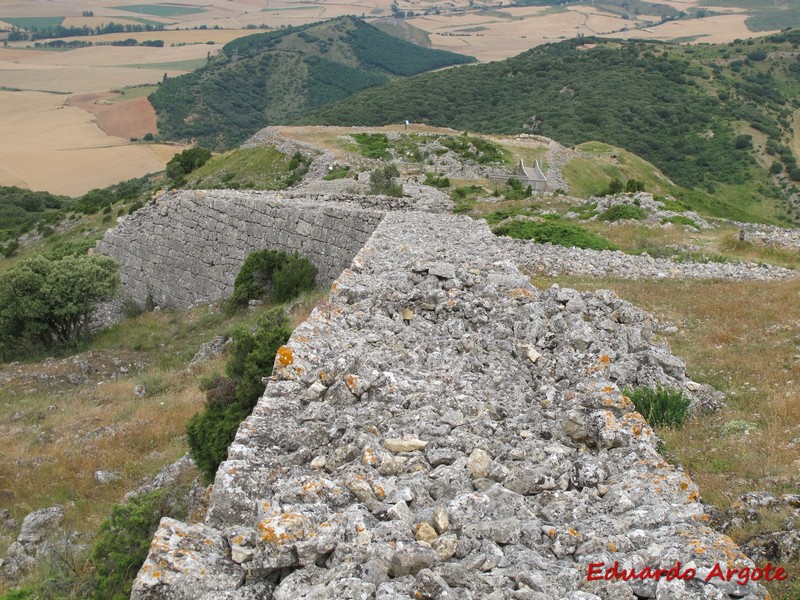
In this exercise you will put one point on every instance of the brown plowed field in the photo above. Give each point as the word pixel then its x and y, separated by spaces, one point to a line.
pixel 132 118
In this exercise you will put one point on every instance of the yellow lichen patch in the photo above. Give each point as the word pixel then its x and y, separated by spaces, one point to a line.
pixel 693 496
pixel 608 389
pixel 156 574
pixel 284 356
pixel 520 293
pixel 612 546
pixel 380 492
pixel 368 457
pixel 334 287
pixel 310 486
pixel 697 546
pixel 573 533
pixel 604 360
pixel 278 530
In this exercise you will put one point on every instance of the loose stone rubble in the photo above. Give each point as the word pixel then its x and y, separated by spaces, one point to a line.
pixel 551 261
pixel 441 429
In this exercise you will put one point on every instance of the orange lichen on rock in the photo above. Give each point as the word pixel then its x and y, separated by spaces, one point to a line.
pixel 521 293
pixel 284 356
pixel 368 457
pixel 280 529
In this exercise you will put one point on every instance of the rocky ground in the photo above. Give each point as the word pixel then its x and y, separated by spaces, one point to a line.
pixel 441 429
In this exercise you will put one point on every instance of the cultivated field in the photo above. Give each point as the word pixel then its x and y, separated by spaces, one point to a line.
pixel 47 145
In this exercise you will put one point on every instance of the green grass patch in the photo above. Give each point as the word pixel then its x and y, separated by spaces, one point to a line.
pixel 661 406
pixel 161 10
pixel 585 211
pixel 178 65
pixel 32 23
pixel 506 213
pixel 372 145
pixel 622 212
pixel 262 168
pixel 680 220
pixel 561 234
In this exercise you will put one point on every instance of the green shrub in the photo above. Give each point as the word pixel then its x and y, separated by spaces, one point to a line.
pixel 562 234
pixel 615 186
pixel 229 400
pixel 49 302
pixel 211 431
pixel 292 277
pixel 265 271
pixel 622 212
pixel 680 220
pixel 381 181
pixel 661 406
pixel 298 167
pixel 184 163
pixel 437 181
pixel 337 172
pixel 634 185
pixel 124 539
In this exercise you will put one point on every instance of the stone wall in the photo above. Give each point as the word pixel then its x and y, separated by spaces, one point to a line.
pixel 438 428
pixel 187 247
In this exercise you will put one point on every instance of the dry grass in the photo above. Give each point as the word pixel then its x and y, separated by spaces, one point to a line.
pixel 55 435
pixel 54 443
pixel 743 339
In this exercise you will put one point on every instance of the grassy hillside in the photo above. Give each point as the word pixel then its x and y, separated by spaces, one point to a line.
pixel 270 77
pixel 711 117
pixel 262 168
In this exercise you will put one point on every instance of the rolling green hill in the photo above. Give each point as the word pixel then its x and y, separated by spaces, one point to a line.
pixel 271 77
pixel 711 117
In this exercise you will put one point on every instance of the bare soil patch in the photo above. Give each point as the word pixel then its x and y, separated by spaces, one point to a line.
pixel 132 118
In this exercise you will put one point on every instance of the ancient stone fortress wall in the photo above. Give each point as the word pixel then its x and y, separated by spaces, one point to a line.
pixel 438 428
pixel 188 246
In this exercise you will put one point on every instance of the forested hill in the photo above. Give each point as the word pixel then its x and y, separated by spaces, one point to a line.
pixel 270 77
pixel 687 109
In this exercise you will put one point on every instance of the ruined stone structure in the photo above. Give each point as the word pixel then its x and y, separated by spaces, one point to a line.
pixel 438 428
pixel 528 176
pixel 189 246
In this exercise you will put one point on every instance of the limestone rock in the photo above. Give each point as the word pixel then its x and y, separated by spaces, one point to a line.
pixel 404 445
pixel 177 555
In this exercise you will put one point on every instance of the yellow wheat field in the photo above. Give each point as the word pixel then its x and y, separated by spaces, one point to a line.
pixel 48 146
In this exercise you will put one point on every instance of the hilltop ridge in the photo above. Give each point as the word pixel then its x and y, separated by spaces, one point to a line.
pixel 269 78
